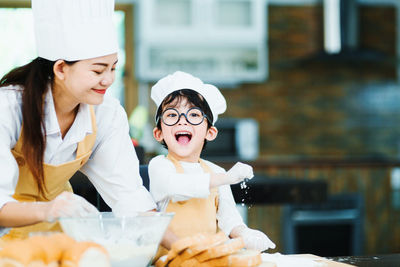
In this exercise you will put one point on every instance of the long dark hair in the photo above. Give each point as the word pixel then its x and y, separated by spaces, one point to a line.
pixel 34 77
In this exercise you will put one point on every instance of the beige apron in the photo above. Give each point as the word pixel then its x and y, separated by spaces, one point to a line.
pixel 194 215
pixel 56 180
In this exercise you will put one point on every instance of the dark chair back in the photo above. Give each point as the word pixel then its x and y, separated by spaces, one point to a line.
pixel 144 173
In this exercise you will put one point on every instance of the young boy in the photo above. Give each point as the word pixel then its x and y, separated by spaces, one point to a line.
pixel 196 190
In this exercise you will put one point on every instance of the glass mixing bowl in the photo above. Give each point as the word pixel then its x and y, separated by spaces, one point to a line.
pixel 130 241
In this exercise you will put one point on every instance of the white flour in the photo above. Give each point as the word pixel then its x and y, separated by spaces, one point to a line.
pixel 128 255
pixel 288 261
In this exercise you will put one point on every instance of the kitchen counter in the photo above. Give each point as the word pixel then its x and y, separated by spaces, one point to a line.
pixel 387 260
pixel 276 190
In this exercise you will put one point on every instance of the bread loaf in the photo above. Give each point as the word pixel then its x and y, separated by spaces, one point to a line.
pixel 85 254
pixel 52 245
pixel 188 247
pixel 183 243
pixel 209 242
pixel 242 258
pixel 228 247
pixel 162 261
pixel 51 250
pixel 176 262
pixel 193 262
pixel 204 250
pixel 178 246
pixel 21 253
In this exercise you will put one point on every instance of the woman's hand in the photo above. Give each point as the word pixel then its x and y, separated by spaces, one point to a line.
pixel 16 214
pixel 68 204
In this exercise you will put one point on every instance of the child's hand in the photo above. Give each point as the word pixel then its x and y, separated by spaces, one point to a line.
pixel 236 174
pixel 254 239
pixel 239 172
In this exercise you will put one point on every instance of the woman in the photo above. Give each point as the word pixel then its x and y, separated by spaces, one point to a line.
pixel 56 119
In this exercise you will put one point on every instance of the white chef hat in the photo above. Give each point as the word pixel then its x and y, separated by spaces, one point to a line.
pixel 181 80
pixel 74 29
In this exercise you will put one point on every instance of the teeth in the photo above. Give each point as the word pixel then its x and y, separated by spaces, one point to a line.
pixel 183 133
pixel 177 134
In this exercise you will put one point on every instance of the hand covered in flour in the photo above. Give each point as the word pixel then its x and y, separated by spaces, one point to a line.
pixel 239 172
pixel 68 204
pixel 254 239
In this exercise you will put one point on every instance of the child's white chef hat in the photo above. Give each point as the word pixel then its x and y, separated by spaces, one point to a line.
pixel 74 29
pixel 181 80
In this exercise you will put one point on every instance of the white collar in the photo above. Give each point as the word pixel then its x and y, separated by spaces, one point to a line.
pixel 80 127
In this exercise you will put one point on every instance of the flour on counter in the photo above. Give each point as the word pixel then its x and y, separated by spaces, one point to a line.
pixel 288 261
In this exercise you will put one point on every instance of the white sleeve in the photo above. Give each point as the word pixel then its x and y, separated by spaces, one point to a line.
pixel 10 172
pixel 165 182
pixel 228 216
pixel 10 127
pixel 114 167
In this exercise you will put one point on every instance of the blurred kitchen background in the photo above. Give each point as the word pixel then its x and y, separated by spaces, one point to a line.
pixel 313 96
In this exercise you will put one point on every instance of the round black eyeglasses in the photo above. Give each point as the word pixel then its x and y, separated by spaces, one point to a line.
pixel 194 116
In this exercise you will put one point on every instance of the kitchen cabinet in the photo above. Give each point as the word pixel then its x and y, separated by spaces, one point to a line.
pixel 220 41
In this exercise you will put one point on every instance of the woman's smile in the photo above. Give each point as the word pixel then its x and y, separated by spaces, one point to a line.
pixel 100 91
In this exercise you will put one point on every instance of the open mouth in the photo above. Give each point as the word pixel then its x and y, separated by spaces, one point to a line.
pixel 183 137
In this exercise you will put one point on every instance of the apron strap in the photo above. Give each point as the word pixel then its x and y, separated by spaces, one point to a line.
pixel 84 146
pixel 179 168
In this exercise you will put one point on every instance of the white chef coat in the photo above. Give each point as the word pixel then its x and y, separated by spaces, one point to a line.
pixel 113 167
pixel 166 184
